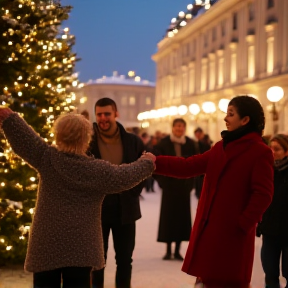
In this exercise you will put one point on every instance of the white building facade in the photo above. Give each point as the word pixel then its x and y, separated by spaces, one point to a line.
pixel 235 47
pixel 131 95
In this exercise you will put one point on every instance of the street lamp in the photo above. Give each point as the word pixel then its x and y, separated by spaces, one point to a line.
pixel 275 94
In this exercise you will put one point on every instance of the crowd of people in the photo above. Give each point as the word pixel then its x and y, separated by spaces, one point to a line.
pixel 100 170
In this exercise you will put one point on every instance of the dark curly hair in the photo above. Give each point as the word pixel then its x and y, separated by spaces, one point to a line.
pixel 249 106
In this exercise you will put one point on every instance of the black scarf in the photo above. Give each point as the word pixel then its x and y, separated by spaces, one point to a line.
pixel 281 164
pixel 229 136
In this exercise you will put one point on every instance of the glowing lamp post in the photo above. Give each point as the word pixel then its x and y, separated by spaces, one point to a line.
pixel 194 109
pixel 223 105
pixel 275 94
pixel 208 107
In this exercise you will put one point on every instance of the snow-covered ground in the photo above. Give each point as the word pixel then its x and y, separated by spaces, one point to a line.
pixel 149 270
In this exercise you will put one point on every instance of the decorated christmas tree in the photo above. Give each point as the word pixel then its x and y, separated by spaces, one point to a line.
pixel 36 76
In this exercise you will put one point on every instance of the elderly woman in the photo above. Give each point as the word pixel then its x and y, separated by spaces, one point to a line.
pixel 237 189
pixel 66 239
pixel 274 226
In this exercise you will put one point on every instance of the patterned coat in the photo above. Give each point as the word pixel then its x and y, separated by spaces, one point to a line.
pixel 66 228
pixel 237 189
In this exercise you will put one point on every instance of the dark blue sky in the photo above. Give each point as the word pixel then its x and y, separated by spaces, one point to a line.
pixel 119 35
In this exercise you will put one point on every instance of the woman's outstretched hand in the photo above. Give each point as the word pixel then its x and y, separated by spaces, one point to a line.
pixel 4 113
pixel 148 155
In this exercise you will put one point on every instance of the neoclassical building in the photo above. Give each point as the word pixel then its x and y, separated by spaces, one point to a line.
pixel 131 94
pixel 216 50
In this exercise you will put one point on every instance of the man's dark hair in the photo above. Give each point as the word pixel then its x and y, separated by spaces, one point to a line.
pixel 106 102
pixel 200 130
pixel 179 120
pixel 249 106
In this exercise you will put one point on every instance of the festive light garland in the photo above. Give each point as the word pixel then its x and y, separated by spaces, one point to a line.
pixel 184 18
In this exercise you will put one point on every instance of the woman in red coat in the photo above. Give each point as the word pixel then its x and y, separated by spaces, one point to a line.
pixel 237 189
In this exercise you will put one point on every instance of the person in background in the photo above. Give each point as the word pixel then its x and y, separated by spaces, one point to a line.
pixel 237 189
pixel 85 113
pixel 149 182
pixel 204 144
pixel 175 215
pixel 204 141
pixel 64 238
pixel 274 225
pixel 120 211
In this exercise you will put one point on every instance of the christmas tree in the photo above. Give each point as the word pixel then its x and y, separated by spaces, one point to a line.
pixel 36 76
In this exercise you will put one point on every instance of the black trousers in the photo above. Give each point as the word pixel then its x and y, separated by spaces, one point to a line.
pixel 73 277
pixel 124 243
pixel 271 251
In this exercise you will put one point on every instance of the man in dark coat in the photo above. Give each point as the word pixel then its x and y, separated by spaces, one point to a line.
pixel 119 211
pixel 175 216
pixel 204 144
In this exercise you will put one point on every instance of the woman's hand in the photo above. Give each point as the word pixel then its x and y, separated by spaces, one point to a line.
pixel 148 155
pixel 4 113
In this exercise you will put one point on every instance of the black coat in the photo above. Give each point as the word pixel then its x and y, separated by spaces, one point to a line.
pixel 175 216
pixel 125 205
pixel 275 219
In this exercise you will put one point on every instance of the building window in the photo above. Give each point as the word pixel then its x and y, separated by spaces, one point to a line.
pixel 184 84
pixel 204 75
pixel 212 75
pixel 205 40
pixel 233 75
pixel 251 62
pixel 270 55
pixel 148 100
pixel 214 34
pixel 124 100
pixel 270 4
pixel 235 21
pixel 192 80
pixel 221 72
pixel 223 24
pixel 171 90
pixel 132 100
pixel 251 11
pixel 177 86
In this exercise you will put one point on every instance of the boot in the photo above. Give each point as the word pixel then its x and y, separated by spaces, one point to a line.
pixel 177 255
pixel 168 255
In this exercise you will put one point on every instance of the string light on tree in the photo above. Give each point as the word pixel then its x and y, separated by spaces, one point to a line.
pixel 36 45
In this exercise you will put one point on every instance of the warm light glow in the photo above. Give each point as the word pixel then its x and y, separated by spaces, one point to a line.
pixel 182 110
pixel 183 23
pixel 137 79
pixel 223 105
pixel 181 14
pixel 190 7
pixel 173 110
pixel 208 107
pixel 194 109
pixel 131 73
pixel 275 93
pixel 83 100
pixel 173 20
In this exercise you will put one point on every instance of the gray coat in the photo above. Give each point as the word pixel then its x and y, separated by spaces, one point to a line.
pixel 66 228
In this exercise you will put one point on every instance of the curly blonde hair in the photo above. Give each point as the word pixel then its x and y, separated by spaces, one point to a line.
pixel 72 133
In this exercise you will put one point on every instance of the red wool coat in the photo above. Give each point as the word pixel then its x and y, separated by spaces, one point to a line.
pixel 237 189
